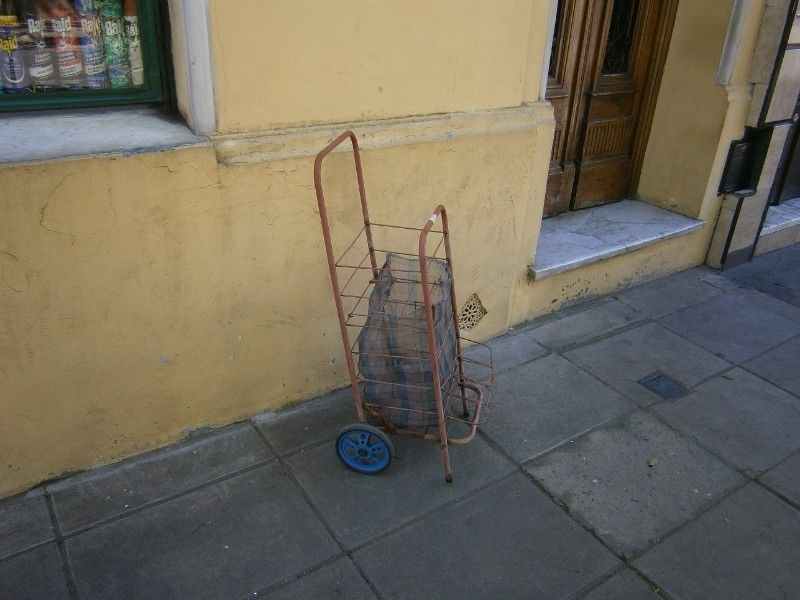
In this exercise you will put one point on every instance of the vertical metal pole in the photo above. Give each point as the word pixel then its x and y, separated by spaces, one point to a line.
pixel 326 234
pixel 363 195
pixel 437 384
pixel 446 234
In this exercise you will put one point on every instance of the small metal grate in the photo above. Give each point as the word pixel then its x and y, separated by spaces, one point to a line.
pixel 471 313
pixel 664 386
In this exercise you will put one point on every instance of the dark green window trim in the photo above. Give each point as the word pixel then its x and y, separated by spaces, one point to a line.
pixel 154 36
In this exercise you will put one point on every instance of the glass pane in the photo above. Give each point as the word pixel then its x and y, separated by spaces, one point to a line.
pixel 620 37
pixel 557 33
pixel 58 45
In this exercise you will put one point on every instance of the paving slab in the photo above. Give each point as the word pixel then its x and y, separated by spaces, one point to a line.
pixel 508 541
pixel 776 273
pixel 634 481
pixel 623 359
pixel 35 575
pixel 780 366
pixel 227 540
pixel 743 548
pixel 735 326
pixel 307 423
pixel 625 585
pixel 339 579
pixel 540 405
pixel 585 325
pixel 510 350
pixel 785 479
pixel 95 496
pixel 745 420
pixel 668 294
pixel 24 522
pixel 359 507
pixel 771 303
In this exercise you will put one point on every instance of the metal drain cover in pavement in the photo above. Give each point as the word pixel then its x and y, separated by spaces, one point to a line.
pixel 664 386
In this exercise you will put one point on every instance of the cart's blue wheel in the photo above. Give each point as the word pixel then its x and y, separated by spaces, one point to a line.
pixel 364 448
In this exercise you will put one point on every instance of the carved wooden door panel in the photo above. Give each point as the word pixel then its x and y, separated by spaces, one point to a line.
pixel 607 61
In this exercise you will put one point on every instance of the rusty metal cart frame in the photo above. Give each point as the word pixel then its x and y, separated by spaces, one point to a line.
pixel 472 392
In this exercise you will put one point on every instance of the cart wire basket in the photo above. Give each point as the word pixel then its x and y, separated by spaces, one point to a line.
pixel 408 372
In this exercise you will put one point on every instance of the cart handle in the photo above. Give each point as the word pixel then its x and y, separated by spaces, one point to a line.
pixel 323 213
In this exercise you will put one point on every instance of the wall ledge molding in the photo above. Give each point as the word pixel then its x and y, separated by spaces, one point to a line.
pixel 297 142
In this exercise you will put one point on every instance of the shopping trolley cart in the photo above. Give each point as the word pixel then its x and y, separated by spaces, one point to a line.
pixel 408 373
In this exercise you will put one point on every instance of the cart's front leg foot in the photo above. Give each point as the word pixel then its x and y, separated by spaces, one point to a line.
pixel 466 413
pixel 448 478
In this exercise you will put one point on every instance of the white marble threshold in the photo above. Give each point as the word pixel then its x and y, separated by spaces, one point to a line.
pixel 784 215
pixel 578 238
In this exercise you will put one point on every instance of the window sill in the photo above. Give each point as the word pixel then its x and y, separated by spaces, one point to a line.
pixel 575 239
pixel 30 137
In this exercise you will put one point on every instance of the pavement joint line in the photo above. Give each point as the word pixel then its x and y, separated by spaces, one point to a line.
pixel 290 473
pixel 718 355
pixel 767 381
pixel 678 528
pixel 622 328
pixel 434 509
pixel 66 566
pixel 154 503
pixel 652 582
pixel 622 393
pixel 295 577
pixel 527 362
pixel 603 424
pixel 775 492
pixel 690 438
pixel 597 582
pixel 27 550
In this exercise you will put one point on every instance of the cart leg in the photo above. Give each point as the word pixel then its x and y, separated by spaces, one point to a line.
pixel 448 474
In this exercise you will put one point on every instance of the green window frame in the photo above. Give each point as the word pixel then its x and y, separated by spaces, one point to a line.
pixel 154 37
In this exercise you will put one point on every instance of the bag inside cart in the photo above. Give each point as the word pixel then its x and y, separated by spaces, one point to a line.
pixel 394 353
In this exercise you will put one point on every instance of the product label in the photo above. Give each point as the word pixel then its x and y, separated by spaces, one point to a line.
pixel 8 45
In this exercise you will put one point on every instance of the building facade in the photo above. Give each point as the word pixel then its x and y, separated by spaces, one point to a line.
pixel 164 274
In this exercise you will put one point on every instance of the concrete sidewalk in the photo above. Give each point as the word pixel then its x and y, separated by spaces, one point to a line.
pixel 584 482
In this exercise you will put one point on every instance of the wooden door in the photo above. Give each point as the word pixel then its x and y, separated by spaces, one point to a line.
pixel 605 67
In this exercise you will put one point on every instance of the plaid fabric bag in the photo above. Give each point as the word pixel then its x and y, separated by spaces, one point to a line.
pixel 393 345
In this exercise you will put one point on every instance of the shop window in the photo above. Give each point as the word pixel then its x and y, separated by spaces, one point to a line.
pixel 79 53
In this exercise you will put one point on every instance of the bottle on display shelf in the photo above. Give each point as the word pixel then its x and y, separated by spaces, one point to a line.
pixel 69 59
pixel 131 19
pixel 91 43
pixel 14 71
pixel 119 72
pixel 42 63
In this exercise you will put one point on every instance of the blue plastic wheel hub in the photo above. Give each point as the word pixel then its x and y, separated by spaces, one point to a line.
pixel 364 448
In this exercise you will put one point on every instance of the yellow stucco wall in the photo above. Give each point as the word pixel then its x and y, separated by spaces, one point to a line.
pixel 145 296
pixel 681 150
pixel 148 295
pixel 295 62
